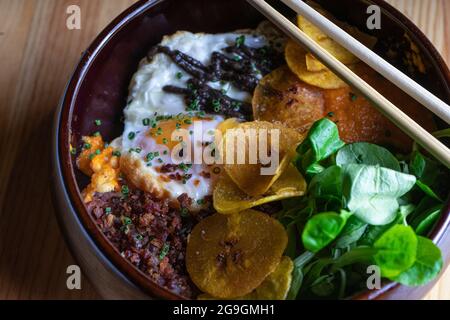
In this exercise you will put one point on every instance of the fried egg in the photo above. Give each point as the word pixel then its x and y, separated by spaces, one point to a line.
pixel 153 115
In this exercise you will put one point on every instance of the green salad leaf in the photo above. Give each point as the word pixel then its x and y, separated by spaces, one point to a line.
pixel 363 206
pixel 427 265
pixel 367 153
pixel 327 184
pixel 371 192
pixel 396 250
pixel 352 232
pixel 423 222
pixel 322 229
pixel 322 141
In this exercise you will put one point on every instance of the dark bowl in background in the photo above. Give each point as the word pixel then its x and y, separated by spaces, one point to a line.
pixel 98 90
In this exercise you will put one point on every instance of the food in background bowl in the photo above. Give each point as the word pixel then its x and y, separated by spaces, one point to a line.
pixel 325 201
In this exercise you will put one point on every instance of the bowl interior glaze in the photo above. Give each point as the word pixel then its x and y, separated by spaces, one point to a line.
pixel 98 88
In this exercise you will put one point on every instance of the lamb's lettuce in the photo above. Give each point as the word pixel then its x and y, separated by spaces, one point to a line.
pixel 371 192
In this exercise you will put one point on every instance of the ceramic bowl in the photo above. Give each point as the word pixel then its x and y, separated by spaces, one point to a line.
pixel 98 90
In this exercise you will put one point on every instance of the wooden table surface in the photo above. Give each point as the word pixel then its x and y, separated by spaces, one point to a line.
pixel 37 56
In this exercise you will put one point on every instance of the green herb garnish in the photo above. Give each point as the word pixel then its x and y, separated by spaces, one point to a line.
pixel 164 251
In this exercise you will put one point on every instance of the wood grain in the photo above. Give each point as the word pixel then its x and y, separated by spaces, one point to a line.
pixel 37 56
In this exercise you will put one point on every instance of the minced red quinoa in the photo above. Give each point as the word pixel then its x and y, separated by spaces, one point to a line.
pixel 150 233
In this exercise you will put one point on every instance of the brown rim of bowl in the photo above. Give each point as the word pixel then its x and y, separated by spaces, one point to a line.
pixel 67 169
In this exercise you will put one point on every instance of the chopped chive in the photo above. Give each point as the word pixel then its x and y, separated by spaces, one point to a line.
pixel 91 156
pixel 108 210
pixel 178 125
pixel 98 122
pixel 179 75
pixel 139 237
pixel 125 190
pixel 138 150
pixel 97 152
pixel 165 152
pixel 193 105
pixel 200 201
pixel 116 153
pixel 164 251
pixel 159 131
pixel 87 146
pixel 201 114
pixel 164 140
pixel 146 122
pixel 184 212
pixel 216 103
pixel 73 151
pixel 96 134
pixel 240 41
pixel 131 135
pixel 150 156
pixel 188 121
pixel 127 221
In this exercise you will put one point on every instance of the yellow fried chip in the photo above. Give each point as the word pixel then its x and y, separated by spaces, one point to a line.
pixel 274 287
pixel 295 58
pixel 228 256
pixel 314 65
pixel 228 198
pixel 282 98
pixel 324 41
pixel 329 44
pixel 256 153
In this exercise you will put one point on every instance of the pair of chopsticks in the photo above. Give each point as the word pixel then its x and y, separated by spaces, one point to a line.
pixel 403 121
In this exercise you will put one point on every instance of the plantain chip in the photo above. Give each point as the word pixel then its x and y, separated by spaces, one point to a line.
pixel 255 176
pixel 329 44
pixel 228 256
pixel 335 49
pixel 281 97
pixel 296 60
pixel 228 198
pixel 274 287
pixel 312 64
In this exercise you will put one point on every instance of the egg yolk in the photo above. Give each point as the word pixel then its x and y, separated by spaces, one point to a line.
pixel 162 132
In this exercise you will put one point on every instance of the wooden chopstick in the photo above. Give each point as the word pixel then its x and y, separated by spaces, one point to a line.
pixel 401 80
pixel 403 121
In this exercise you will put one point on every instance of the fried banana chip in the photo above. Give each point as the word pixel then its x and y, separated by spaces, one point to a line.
pixel 228 198
pixel 281 97
pixel 274 287
pixel 277 284
pixel 256 153
pixel 335 49
pixel 228 256
pixel 296 60
pixel 329 44
pixel 314 65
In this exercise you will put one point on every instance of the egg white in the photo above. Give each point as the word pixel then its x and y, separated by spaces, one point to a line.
pixel 147 99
